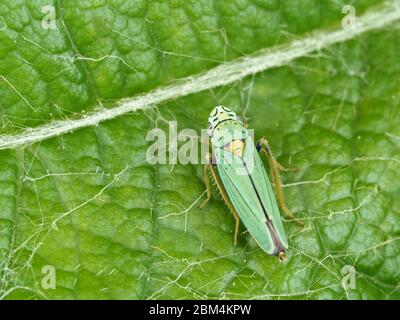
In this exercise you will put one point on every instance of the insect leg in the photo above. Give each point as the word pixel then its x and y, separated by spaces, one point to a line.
pixel 275 167
pixel 264 143
pixel 207 181
pixel 282 168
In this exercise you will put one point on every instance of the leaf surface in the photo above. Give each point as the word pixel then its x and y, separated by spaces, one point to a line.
pixel 113 226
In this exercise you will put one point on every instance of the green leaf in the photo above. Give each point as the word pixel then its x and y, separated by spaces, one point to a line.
pixel 89 205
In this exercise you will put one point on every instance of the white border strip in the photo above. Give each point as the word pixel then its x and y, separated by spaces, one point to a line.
pixel 219 76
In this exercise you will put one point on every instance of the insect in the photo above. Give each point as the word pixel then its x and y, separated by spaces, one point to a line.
pixel 240 176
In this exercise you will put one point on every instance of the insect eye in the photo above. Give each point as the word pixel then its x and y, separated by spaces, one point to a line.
pixel 210 127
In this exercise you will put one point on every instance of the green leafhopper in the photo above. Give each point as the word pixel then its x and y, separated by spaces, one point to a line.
pixel 240 176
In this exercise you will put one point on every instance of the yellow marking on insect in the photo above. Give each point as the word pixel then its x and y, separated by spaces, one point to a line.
pixel 236 147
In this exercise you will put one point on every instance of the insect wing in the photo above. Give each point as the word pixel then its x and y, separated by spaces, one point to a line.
pixel 241 178
pixel 263 184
